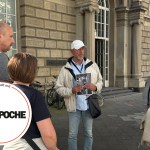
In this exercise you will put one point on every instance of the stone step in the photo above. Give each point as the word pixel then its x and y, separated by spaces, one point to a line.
pixel 116 92
pixel 111 92
pixel 107 89
pixel 118 95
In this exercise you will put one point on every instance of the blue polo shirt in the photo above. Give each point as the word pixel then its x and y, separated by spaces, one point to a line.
pixel 81 102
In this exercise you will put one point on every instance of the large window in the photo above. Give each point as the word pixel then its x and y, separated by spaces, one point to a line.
pixel 102 20
pixel 8 15
pixel 102 39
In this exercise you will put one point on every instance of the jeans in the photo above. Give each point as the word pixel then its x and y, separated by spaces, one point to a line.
pixel 87 121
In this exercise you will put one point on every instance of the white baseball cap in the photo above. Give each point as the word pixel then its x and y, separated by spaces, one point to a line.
pixel 77 44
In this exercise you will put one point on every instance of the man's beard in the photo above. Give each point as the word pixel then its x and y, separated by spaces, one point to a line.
pixel 79 57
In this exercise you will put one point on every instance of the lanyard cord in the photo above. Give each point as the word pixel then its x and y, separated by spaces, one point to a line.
pixel 77 67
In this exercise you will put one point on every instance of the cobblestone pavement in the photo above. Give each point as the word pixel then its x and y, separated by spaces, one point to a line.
pixel 116 129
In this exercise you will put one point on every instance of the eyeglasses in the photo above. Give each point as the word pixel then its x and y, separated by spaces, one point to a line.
pixel 37 69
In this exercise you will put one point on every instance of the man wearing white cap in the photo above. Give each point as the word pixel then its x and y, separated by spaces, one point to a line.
pixel 77 105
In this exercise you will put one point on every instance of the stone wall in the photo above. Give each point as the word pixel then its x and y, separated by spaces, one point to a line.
pixel 146 50
pixel 145 68
pixel 47 30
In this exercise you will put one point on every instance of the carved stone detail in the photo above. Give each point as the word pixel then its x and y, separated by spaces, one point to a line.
pixel 136 22
pixel 90 8
pixel 136 2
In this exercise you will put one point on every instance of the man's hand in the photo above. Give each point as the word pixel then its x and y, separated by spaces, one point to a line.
pixel 90 86
pixel 77 88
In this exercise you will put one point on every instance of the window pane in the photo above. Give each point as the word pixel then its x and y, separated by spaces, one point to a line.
pixel 106 70
pixel 2 6
pixel 14 45
pixel 101 49
pixel 103 3
pixel 102 12
pixel 107 34
pixel 101 64
pixel 107 3
pixel 14 52
pixel 102 30
pixel 107 57
pixel 102 26
pixel 99 26
pixel 96 32
pixel 106 46
pixel 99 33
pixel 3 17
pixel 96 17
pixel 106 76
pixel 95 25
pixel 106 63
pixel 11 53
pixel 11 20
pixel 99 18
pixel 100 2
pixel 101 59
pixel 103 16
pixel 107 30
pixel 107 17
pixel 11 7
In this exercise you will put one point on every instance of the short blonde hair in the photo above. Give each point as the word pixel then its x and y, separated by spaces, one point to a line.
pixel 22 67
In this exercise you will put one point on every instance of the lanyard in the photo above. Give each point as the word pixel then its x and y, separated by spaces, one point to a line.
pixel 77 67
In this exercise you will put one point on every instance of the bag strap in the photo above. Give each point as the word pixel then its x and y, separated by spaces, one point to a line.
pixel 88 64
pixel 72 73
pixel 80 71
pixel 30 142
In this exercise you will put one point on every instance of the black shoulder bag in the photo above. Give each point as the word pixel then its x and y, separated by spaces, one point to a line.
pixel 94 106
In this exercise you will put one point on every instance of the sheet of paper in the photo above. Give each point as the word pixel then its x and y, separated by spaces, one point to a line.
pixel 83 79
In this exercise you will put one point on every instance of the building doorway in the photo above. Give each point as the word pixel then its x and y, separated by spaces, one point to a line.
pixel 102 40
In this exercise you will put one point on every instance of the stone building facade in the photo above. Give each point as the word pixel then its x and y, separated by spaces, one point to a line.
pixel 46 28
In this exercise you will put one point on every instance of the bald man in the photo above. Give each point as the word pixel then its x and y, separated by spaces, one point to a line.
pixel 6 41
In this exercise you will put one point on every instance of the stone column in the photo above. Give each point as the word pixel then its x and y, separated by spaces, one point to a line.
pixel 89 36
pixel 85 28
pixel 122 57
pixel 136 77
pixel 136 52
pixel 79 25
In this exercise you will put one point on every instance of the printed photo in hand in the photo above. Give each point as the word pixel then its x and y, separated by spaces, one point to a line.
pixel 83 79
